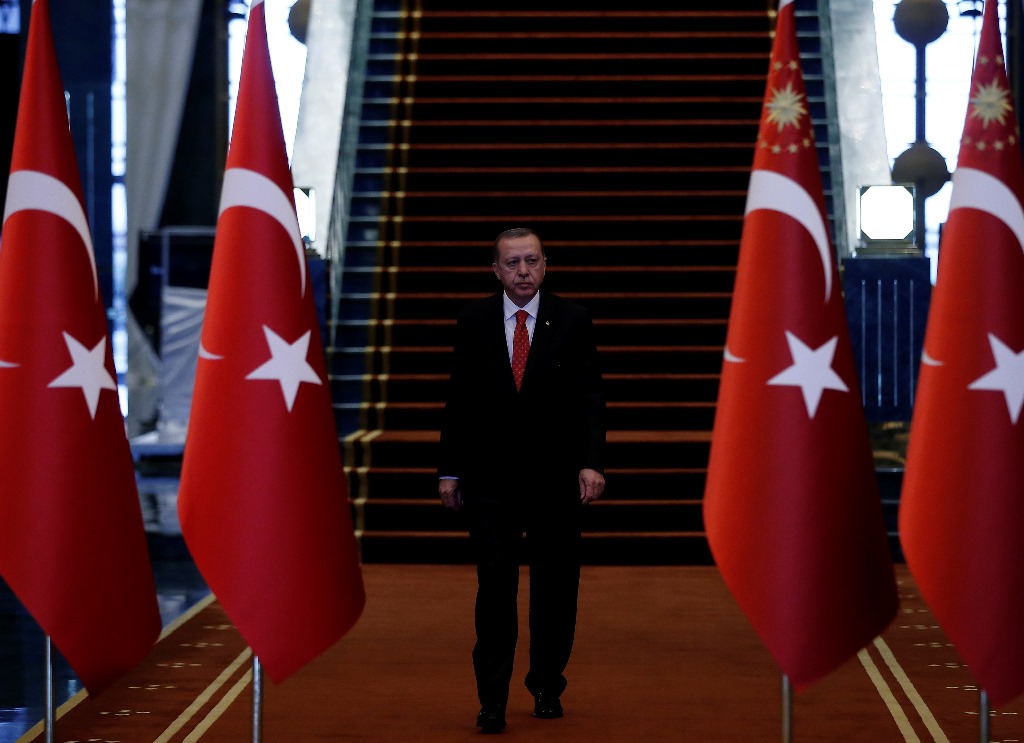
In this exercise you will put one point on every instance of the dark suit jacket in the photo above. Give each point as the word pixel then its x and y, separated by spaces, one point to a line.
pixel 559 410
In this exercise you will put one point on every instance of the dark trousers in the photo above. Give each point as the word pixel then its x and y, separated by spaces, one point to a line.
pixel 552 547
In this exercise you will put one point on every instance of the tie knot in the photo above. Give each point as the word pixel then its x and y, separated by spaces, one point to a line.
pixel 521 316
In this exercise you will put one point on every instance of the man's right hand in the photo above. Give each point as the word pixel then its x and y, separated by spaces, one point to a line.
pixel 451 493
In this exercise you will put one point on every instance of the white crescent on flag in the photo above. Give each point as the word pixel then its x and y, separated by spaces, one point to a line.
pixel 32 190
pixel 774 191
pixel 731 357
pixel 244 187
pixel 208 355
pixel 976 189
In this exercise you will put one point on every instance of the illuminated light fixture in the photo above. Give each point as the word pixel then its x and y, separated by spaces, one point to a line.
pixel 886 215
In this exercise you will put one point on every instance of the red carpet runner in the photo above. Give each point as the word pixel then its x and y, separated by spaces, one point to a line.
pixel 662 654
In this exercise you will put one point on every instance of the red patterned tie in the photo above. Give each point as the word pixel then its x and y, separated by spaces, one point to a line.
pixel 520 347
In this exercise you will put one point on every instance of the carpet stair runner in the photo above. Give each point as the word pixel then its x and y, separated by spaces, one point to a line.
pixel 625 139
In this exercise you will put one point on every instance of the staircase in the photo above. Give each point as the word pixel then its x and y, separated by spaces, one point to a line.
pixel 624 138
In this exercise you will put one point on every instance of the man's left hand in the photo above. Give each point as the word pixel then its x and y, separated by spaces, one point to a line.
pixel 591 485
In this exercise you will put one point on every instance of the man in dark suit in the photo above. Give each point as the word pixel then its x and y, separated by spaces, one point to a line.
pixel 522 447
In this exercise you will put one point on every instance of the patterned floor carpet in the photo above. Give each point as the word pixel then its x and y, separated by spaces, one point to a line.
pixel 662 653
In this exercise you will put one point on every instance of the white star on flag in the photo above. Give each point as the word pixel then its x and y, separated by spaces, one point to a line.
pixel 88 372
pixel 1007 377
pixel 811 371
pixel 287 365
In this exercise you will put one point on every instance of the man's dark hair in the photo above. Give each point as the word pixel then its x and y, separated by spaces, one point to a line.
pixel 514 233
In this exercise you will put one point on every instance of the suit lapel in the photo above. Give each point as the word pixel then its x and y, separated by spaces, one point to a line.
pixel 540 347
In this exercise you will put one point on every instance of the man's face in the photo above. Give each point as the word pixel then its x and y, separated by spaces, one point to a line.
pixel 520 267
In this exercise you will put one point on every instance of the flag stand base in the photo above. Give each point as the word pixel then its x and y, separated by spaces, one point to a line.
pixel 50 714
pixel 787 710
pixel 257 700
pixel 984 718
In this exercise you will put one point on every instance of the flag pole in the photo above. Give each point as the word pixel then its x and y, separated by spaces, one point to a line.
pixel 787 710
pixel 51 719
pixel 257 700
pixel 984 719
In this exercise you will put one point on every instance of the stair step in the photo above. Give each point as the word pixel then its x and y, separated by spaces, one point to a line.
pixel 584 82
pixel 559 279
pixel 490 21
pixel 418 515
pixel 611 225
pixel 642 254
pixel 575 132
pixel 631 415
pixel 732 152
pixel 638 482
pixel 541 66
pixel 687 449
pixel 438 204
pixel 597 44
pixel 437 359
pixel 641 387
pixel 608 331
pixel 667 548
pixel 652 7
pixel 622 178
pixel 411 305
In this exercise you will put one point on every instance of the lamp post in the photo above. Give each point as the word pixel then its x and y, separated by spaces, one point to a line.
pixel 921 22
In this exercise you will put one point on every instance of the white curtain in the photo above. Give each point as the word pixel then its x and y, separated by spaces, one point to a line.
pixel 180 327
pixel 322 105
pixel 161 40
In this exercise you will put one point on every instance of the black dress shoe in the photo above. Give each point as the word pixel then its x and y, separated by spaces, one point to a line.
pixel 547 707
pixel 491 718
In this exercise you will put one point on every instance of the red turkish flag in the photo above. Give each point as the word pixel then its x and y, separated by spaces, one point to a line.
pixel 72 545
pixel 962 510
pixel 791 509
pixel 263 503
